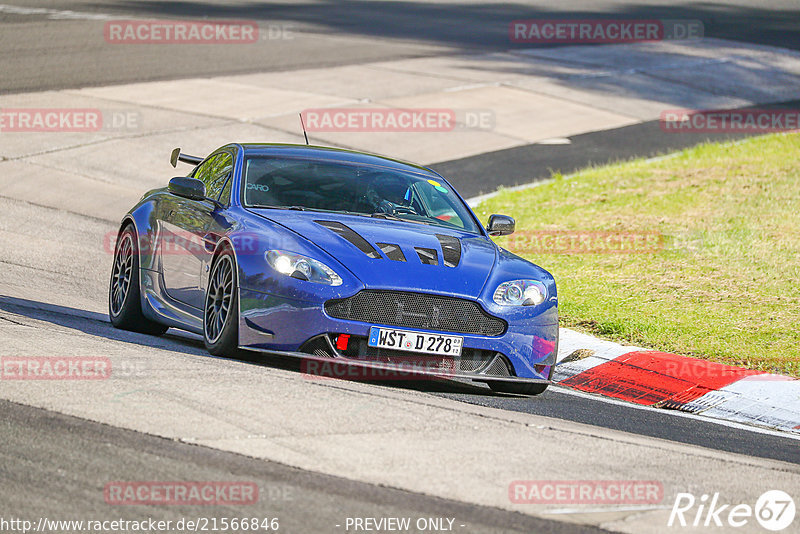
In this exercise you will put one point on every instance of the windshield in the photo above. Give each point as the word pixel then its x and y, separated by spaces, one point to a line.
pixel 271 182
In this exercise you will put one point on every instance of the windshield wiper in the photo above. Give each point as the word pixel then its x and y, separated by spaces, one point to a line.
pixel 389 216
pixel 265 206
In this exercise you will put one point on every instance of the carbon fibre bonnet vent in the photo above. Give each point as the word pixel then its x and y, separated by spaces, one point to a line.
pixel 345 232
pixel 451 249
pixel 393 252
pixel 428 256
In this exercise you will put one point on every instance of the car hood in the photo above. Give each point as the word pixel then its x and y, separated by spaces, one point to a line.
pixel 366 247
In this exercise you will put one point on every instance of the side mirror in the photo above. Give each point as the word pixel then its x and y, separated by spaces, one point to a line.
pixel 190 188
pixel 500 225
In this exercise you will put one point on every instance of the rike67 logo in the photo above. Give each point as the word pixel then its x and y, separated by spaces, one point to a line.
pixel 774 510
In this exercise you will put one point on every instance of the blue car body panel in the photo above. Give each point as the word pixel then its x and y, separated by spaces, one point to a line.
pixel 281 313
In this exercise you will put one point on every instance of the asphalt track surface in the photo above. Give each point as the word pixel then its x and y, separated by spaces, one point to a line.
pixel 60 460
pixel 555 402
pixel 323 34
pixel 486 172
pixel 68 470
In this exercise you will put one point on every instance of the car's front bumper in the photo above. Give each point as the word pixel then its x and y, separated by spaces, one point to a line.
pixel 278 324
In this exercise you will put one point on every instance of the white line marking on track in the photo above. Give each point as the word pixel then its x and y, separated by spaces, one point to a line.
pixel 53 14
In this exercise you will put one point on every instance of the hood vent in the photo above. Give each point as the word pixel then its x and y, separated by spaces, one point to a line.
pixel 451 249
pixel 428 256
pixel 393 252
pixel 345 232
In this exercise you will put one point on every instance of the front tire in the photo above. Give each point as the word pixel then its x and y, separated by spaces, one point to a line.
pixel 124 293
pixel 220 312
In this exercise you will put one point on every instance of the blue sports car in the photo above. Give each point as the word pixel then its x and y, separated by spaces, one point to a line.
pixel 334 255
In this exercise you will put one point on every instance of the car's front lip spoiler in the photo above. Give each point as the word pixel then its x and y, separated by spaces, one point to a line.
pixel 401 373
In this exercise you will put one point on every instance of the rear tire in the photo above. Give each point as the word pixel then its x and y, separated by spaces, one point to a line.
pixel 124 293
pixel 220 311
pixel 518 389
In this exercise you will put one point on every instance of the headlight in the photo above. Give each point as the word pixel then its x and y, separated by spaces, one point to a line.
pixel 520 293
pixel 302 268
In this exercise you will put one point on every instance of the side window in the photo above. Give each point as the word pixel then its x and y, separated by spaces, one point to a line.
pixel 225 196
pixel 215 173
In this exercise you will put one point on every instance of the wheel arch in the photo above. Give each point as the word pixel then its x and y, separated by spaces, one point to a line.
pixel 130 316
pixel 128 219
pixel 223 244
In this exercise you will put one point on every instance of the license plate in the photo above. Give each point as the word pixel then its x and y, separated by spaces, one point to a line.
pixel 389 338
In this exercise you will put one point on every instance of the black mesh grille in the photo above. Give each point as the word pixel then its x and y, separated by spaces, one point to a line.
pixel 498 367
pixel 473 361
pixel 470 361
pixel 416 310
pixel 318 346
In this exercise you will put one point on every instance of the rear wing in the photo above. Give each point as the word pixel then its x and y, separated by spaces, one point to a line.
pixel 185 158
